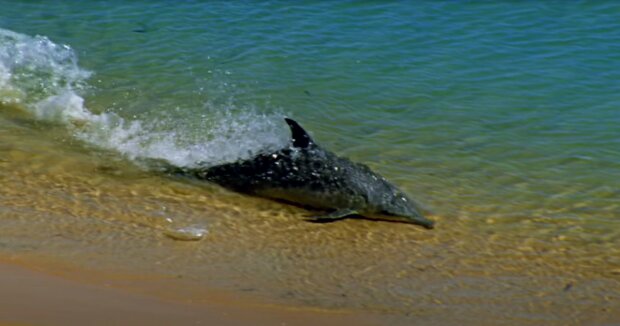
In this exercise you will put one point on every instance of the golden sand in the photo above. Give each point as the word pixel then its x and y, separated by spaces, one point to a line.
pixel 93 213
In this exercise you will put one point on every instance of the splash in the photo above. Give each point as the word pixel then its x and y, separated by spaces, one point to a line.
pixel 45 79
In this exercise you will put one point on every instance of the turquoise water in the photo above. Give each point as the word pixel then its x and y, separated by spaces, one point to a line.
pixel 510 109
pixel 503 114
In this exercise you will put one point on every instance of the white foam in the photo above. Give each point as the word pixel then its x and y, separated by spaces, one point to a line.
pixel 46 79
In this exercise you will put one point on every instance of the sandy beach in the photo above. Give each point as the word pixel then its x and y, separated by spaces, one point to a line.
pixel 498 119
pixel 32 297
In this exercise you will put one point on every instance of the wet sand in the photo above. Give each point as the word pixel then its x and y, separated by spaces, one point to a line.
pixel 31 297
pixel 92 218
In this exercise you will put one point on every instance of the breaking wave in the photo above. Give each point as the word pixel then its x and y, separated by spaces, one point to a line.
pixel 45 79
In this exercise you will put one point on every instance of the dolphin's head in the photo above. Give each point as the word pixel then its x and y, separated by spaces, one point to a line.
pixel 397 207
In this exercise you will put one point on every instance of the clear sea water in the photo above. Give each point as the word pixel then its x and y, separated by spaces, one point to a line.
pixel 501 118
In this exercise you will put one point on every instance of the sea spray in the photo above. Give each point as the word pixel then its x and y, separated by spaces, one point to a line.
pixel 46 80
pixel 35 68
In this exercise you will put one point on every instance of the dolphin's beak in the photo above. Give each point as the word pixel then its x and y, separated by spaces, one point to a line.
pixel 421 220
pixel 426 223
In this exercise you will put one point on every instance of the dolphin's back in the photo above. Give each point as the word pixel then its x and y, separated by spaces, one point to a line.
pixel 311 177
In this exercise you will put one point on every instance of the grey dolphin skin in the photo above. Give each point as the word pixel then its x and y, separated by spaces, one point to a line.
pixel 305 174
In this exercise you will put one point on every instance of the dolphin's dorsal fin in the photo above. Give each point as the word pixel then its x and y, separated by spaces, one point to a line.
pixel 301 139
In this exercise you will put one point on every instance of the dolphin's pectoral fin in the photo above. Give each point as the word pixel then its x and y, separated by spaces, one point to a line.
pixel 333 216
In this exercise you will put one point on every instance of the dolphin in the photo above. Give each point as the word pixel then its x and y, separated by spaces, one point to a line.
pixel 305 174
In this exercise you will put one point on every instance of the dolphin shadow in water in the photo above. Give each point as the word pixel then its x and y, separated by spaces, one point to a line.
pixel 307 175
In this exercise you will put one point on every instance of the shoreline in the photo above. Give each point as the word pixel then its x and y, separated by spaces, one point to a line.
pixel 35 296
pixel 90 220
pixel 45 291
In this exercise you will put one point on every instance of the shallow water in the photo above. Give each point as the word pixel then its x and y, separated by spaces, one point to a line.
pixel 501 119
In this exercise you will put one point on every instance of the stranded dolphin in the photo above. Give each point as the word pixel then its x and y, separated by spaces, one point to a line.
pixel 305 174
